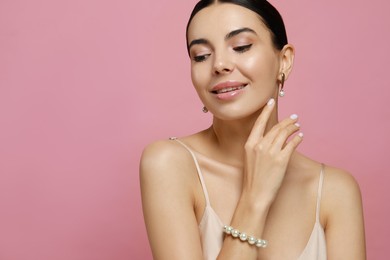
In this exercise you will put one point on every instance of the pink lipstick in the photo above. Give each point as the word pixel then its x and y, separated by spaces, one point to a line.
pixel 228 90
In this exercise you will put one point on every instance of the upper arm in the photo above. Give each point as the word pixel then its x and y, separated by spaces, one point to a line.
pixel 167 201
pixel 344 216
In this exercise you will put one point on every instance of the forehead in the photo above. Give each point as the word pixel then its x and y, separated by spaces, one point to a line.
pixel 222 19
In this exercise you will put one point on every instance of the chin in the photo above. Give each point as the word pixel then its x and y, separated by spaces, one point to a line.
pixel 232 115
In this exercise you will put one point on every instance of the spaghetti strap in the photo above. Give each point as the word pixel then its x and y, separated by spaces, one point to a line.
pixel 206 195
pixel 316 245
pixel 319 193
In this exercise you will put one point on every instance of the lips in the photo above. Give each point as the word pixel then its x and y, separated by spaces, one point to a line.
pixel 225 90
pixel 227 86
pixel 228 90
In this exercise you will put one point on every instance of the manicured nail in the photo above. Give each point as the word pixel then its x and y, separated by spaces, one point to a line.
pixel 294 116
pixel 300 135
pixel 271 101
pixel 297 125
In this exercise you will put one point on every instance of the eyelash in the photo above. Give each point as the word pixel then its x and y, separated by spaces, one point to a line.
pixel 201 58
pixel 239 49
pixel 242 48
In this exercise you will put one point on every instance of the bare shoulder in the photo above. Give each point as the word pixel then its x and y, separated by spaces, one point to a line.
pixel 167 172
pixel 167 177
pixel 159 153
pixel 342 212
pixel 340 190
pixel 340 184
pixel 341 194
pixel 163 159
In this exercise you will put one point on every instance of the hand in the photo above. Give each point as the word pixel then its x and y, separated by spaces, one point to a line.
pixel 267 155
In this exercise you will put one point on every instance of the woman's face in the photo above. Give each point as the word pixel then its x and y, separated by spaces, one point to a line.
pixel 234 65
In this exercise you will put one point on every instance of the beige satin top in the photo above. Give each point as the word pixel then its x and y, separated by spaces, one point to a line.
pixel 211 227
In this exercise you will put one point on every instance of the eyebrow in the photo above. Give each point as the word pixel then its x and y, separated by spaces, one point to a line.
pixel 227 37
pixel 238 31
pixel 198 41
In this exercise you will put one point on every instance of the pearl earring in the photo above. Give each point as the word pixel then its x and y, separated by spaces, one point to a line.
pixel 205 110
pixel 281 85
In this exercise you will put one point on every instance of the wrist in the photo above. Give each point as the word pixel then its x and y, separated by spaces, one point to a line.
pixel 235 233
pixel 250 215
pixel 256 203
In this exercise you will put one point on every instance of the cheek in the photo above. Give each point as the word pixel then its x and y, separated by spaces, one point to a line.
pixel 253 65
pixel 198 76
pixel 259 66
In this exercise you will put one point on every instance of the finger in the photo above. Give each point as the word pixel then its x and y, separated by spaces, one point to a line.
pixel 261 122
pixel 275 131
pixel 283 135
pixel 293 144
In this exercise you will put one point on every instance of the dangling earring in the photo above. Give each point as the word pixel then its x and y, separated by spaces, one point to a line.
pixel 205 110
pixel 281 85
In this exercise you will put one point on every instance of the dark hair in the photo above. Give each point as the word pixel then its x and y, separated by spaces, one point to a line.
pixel 267 12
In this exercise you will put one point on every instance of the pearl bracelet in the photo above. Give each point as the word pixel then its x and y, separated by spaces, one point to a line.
pixel 235 233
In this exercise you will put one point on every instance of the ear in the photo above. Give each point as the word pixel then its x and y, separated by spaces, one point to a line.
pixel 287 55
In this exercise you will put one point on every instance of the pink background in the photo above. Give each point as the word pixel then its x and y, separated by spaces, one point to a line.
pixel 85 85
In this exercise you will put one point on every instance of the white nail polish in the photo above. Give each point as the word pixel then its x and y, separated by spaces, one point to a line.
pixel 297 125
pixel 300 135
pixel 271 101
pixel 294 116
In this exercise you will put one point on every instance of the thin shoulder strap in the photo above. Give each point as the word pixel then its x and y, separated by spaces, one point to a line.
pixel 320 184
pixel 206 195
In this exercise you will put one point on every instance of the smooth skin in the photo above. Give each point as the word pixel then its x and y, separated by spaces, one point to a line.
pixel 270 189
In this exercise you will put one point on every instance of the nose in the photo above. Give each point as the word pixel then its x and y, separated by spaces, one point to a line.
pixel 222 64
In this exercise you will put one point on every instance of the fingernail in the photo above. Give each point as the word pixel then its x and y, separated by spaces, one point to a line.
pixel 300 135
pixel 271 101
pixel 297 125
pixel 294 116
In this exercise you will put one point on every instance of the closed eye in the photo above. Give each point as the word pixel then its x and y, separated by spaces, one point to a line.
pixel 242 48
pixel 200 58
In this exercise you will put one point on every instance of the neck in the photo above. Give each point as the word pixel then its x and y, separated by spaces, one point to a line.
pixel 231 136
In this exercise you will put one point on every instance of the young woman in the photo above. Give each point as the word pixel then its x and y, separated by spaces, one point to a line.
pixel 239 189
